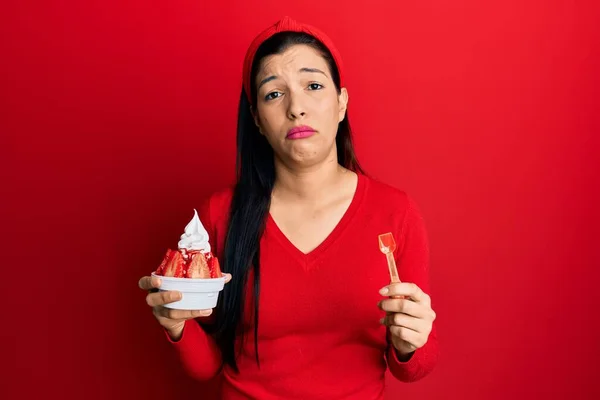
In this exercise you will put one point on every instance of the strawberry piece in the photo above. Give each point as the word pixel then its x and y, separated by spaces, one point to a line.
pixel 198 268
pixel 217 268
pixel 213 266
pixel 163 265
pixel 175 265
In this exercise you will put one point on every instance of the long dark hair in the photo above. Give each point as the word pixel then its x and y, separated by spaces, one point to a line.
pixel 252 199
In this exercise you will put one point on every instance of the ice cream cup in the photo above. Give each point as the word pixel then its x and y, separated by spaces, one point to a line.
pixel 196 294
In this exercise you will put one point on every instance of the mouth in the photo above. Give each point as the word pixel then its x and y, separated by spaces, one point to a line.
pixel 300 132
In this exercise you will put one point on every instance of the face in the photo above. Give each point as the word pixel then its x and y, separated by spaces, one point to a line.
pixel 298 107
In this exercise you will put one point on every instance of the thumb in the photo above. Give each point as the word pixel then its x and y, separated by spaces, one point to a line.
pixel 227 277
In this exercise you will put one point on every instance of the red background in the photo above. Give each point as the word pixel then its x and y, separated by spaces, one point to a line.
pixel 118 117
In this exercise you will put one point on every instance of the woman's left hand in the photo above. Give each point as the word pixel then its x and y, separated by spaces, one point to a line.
pixel 410 318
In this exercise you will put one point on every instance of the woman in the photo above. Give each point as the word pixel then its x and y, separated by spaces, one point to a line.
pixel 307 312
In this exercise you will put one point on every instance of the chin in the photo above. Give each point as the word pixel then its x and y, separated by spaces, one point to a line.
pixel 310 157
pixel 308 153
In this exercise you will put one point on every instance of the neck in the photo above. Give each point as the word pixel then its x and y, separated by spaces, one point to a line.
pixel 309 182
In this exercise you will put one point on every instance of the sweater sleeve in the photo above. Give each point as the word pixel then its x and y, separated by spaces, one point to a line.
pixel 413 266
pixel 197 350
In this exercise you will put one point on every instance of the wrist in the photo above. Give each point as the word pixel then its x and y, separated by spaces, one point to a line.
pixel 403 356
pixel 176 332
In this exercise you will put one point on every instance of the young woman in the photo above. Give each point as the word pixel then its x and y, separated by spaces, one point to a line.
pixel 308 310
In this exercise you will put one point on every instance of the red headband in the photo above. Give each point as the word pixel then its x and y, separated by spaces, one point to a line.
pixel 283 25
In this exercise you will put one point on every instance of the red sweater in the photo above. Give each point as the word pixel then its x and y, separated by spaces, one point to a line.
pixel 319 333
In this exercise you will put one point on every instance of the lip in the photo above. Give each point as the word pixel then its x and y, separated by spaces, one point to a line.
pixel 300 132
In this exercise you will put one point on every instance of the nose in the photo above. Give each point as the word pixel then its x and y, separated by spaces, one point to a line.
pixel 295 107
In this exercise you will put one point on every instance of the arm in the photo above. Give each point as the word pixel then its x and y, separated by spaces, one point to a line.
pixel 197 350
pixel 413 266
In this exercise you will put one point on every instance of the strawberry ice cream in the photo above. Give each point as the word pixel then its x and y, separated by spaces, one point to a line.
pixel 192 270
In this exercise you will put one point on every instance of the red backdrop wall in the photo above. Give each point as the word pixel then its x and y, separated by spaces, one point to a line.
pixel 117 117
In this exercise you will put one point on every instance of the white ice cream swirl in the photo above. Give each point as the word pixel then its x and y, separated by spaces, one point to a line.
pixel 195 236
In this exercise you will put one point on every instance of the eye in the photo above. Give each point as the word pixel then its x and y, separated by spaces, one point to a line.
pixel 315 86
pixel 272 95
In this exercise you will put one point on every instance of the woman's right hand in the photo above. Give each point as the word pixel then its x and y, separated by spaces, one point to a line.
pixel 172 320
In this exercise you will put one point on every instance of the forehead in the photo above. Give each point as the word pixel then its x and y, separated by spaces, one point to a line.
pixel 294 58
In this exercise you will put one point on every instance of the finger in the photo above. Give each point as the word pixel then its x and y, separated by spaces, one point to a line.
pixel 405 321
pixel 161 298
pixel 227 277
pixel 406 289
pixel 149 282
pixel 413 338
pixel 183 314
pixel 404 306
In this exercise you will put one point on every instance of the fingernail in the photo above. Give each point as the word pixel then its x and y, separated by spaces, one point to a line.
pixel 384 290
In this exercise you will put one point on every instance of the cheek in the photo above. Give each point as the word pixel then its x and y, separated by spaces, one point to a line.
pixel 331 107
pixel 269 129
pixel 330 114
pixel 269 120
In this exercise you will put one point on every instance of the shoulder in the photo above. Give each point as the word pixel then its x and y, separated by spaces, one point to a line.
pixel 385 195
pixel 389 204
pixel 217 203
pixel 221 198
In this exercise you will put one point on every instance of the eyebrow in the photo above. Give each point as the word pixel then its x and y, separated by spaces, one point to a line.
pixel 273 77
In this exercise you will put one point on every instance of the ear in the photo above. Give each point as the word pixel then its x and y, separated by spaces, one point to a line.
pixel 343 103
pixel 256 120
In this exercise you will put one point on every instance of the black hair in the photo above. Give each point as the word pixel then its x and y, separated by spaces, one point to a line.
pixel 251 201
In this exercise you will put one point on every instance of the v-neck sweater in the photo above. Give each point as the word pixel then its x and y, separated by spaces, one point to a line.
pixel 319 335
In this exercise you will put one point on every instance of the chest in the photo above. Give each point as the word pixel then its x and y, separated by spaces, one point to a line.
pixel 333 288
pixel 308 227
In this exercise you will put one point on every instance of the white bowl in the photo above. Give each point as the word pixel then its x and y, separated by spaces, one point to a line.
pixel 196 294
